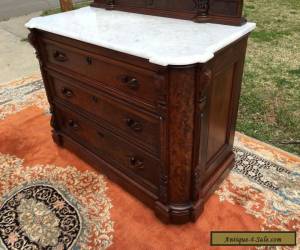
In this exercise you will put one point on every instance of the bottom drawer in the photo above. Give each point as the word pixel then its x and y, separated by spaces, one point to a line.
pixel 113 149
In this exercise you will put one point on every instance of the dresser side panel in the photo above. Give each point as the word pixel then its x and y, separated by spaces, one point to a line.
pixel 220 98
pixel 213 144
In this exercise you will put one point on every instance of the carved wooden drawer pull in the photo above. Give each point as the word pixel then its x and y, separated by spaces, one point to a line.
pixel 89 60
pixel 59 56
pixel 130 82
pixel 95 98
pixel 100 134
pixel 72 124
pixel 136 163
pixel 67 92
pixel 134 125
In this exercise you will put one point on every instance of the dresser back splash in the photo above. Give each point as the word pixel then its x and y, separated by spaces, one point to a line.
pixel 214 11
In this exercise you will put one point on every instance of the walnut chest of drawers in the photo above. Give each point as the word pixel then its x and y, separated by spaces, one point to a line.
pixel 163 132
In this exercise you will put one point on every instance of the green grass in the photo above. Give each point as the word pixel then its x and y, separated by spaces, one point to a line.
pixel 58 10
pixel 270 100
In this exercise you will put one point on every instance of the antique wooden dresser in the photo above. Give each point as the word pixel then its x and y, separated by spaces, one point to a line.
pixel 151 101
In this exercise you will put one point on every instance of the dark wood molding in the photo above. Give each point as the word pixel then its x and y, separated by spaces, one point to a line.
pixel 212 11
pixel 202 7
pixel 199 161
pixel 34 40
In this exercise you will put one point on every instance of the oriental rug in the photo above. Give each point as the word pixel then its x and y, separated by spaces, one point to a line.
pixel 50 199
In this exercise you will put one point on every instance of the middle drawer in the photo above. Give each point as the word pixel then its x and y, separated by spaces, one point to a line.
pixel 114 114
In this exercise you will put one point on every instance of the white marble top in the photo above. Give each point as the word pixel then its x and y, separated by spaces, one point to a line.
pixel 164 41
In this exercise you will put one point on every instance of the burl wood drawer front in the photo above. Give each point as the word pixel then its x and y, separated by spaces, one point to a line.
pixel 145 128
pixel 113 149
pixel 118 76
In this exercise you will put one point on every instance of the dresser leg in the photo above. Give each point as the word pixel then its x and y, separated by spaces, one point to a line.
pixel 162 212
pixel 179 214
pixel 197 210
pixel 57 138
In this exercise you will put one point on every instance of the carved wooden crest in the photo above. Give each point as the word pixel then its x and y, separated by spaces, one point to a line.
pixel 214 11
pixel 202 7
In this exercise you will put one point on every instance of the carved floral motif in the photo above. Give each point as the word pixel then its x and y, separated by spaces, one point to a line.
pixel 202 6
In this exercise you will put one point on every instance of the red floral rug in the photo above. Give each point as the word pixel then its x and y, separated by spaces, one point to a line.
pixel 50 199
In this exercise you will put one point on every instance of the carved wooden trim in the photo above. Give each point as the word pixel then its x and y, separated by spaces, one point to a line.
pixel 164 171
pixel 202 7
pixel 57 138
pixel 53 121
pixel 163 187
pixel 110 4
pixel 160 84
pixel 34 41
pixel 32 38
pixel 201 104
pixel 214 11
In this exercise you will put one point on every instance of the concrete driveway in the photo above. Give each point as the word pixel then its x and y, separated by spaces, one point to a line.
pixel 14 8
pixel 17 57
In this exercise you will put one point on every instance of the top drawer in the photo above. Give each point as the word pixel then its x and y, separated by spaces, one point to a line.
pixel 145 85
